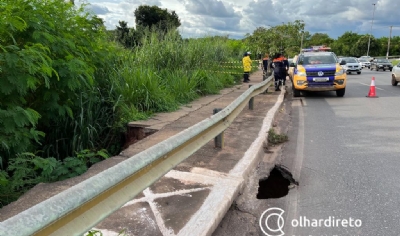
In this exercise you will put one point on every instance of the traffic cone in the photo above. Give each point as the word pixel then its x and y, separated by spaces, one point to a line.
pixel 372 93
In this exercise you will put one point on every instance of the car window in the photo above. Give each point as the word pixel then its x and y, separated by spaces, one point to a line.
pixel 383 60
pixel 351 60
pixel 316 59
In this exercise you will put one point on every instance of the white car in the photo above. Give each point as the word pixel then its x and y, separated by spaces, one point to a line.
pixel 352 65
pixel 364 62
pixel 396 74
pixel 368 58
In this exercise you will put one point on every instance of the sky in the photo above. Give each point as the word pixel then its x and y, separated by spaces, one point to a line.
pixel 236 18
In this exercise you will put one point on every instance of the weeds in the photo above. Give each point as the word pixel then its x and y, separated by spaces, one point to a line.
pixel 68 92
pixel 99 233
pixel 274 138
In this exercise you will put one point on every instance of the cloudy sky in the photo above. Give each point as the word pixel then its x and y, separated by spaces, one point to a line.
pixel 238 17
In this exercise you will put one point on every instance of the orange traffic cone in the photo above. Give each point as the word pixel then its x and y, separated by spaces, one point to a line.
pixel 372 93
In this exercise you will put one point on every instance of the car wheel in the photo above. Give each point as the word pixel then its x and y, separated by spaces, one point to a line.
pixel 358 72
pixel 394 81
pixel 384 69
pixel 377 69
pixel 340 92
pixel 296 92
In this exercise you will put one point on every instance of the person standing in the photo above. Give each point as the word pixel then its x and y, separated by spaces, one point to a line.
pixel 246 67
pixel 265 62
pixel 279 70
pixel 286 63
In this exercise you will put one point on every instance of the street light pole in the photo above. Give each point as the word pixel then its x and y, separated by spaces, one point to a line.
pixel 372 23
pixel 390 35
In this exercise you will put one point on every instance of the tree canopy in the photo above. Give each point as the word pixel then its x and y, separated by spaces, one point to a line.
pixel 289 38
pixel 149 16
pixel 285 38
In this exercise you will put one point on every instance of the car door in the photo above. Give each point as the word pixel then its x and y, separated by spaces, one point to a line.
pixel 396 71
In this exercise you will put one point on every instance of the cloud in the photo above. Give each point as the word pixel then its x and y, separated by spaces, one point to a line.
pixel 238 17
pixel 99 10
pixel 213 8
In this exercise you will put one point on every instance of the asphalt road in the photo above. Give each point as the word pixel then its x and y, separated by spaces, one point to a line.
pixel 345 153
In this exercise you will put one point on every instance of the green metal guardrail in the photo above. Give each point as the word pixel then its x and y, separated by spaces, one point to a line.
pixel 76 210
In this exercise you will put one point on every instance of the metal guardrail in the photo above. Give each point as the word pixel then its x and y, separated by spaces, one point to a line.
pixel 78 209
pixel 395 57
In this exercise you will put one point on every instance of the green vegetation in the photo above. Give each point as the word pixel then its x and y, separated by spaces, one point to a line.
pixel 274 138
pixel 289 37
pixel 99 233
pixel 68 86
pixel 67 91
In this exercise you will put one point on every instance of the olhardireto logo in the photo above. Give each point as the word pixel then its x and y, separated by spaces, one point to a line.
pixel 272 222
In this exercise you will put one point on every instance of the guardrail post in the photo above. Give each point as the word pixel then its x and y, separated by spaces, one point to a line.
pixel 251 102
pixel 219 139
pixel 265 76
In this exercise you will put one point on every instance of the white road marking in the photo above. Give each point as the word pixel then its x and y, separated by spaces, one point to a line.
pixel 150 196
pixel 157 215
pixel 370 85
pixel 292 199
pixel 224 187
pixel 220 199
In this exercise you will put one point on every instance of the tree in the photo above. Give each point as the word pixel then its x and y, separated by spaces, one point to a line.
pixel 343 45
pixel 394 46
pixel 320 39
pixel 153 16
pixel 285 38
pixel 360 48
pixel 122 33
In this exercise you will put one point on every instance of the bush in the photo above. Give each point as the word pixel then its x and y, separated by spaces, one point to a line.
pixel 275 138
pixel 67 92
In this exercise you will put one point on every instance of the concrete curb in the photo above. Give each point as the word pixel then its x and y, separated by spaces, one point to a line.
pixel 207 218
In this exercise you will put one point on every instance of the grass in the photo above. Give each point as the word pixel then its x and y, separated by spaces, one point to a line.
pixel 274 138
pixel 160 76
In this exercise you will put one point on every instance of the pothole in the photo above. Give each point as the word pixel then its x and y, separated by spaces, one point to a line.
pixel 135 133
pixel 277 184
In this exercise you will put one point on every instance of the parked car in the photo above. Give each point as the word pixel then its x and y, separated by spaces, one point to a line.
pixel 318 71
pixel 291 69
pixel 381 64
pixel 396 74
pixel 352 65
pixel 364 63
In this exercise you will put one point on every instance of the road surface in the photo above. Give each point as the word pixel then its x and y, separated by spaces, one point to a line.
pixel 345 154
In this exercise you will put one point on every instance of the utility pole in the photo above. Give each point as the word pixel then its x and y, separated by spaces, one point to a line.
pixel 390 35
pixel 372 23
pixel 301 44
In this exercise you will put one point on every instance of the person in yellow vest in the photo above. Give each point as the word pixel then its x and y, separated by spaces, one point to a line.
pixel 246 67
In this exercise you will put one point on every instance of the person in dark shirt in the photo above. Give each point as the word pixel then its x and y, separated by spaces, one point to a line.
pixel 265 62
pixel 286 63
pixel 279 70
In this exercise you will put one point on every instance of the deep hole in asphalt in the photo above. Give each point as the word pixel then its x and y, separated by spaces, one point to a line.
pixel 276 185
pixel 135 133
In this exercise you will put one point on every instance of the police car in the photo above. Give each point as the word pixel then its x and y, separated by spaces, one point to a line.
pixel 318 69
